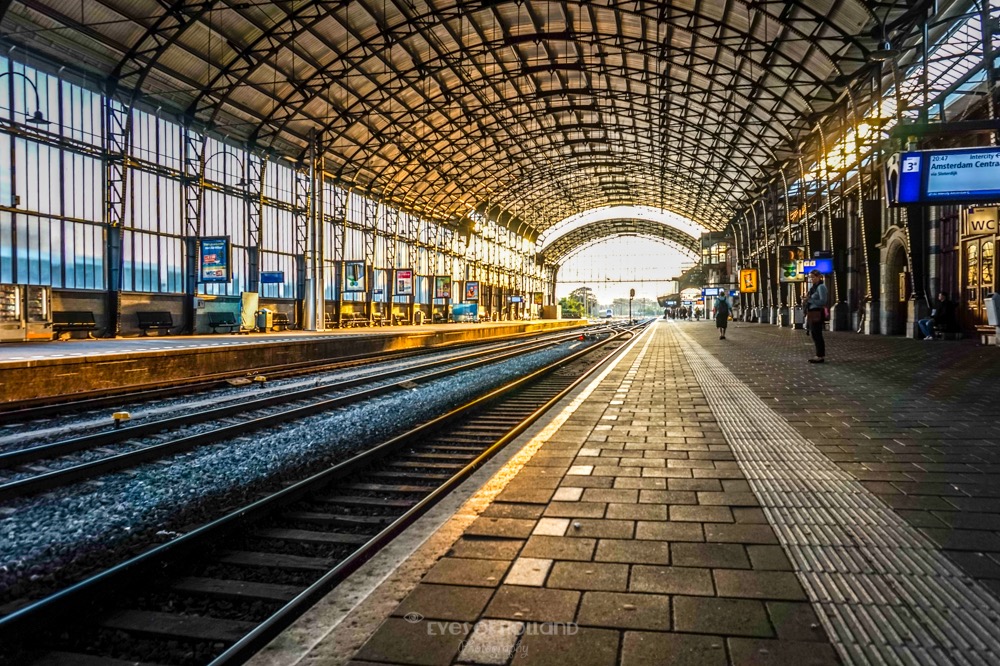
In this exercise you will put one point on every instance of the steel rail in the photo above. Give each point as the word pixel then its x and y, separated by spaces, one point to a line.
pixel 41 613
pixel 43 451
pixel 49 480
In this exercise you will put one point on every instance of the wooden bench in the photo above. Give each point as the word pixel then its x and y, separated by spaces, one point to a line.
pixel 401 319
pixel 984 332
pixel 73 320
pixel 280 322
pixel 378 319
pixel 217 320
pixel 161 321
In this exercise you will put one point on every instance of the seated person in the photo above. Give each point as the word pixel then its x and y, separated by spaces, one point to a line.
pixel 940 319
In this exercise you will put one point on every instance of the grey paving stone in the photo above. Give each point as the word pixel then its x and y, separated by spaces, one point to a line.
pixel 710 555
pixel 756 584
pixel 641 648
pixel 491 642
pixel 701 514
pixel 515 528
pixel 770 558
pixel 534 604
pixel 609 529
pixel 762 652
pixel 794 621
pixel 632 551
pixel 625 611
pixel 400 642
pixel 460 571
pixel 588 576
pixel 445 602
pixel 715 615
pixel 641 483
pixel 708 485
pixel 671 580
pixel 486 548
pixel 513 510
pixel 737 533
pixel 586 647
pixel 636 512
pixel 610 495
pixel 749 515
pixel 575 509
pixel 667 497
pixel 560 548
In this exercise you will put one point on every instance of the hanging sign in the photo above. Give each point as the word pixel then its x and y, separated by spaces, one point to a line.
pixel 748 281
pixel 272 277
pixel 823 265
pixel 965 175
pixel 404 282
pixel 214 259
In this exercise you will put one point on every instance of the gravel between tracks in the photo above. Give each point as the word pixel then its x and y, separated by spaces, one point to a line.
pixel 50 540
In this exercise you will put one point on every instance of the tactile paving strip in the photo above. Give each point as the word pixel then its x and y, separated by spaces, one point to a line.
pixel 883 591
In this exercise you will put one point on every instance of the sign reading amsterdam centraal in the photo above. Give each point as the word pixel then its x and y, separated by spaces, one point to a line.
pixel 966 175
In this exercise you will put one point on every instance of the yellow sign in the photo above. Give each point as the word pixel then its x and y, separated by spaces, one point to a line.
pixel 748 281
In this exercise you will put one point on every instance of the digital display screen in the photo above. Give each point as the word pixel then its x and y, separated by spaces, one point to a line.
pixel 968 175
pixel 214 259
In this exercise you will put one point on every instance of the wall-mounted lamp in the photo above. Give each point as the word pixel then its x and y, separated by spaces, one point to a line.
pixel 36 118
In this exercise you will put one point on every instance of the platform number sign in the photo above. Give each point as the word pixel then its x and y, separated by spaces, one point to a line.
pixel 748 281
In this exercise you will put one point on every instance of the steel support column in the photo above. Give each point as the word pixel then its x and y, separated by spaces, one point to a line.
pixel 117 126
pixel 194 171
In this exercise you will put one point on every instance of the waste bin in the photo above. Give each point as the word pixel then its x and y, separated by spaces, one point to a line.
pixel 265 320
pixel 418 317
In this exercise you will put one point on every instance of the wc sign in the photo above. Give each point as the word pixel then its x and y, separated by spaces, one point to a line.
pixel 981 222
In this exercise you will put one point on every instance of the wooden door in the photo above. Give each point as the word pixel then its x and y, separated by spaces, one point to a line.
pixel 979 278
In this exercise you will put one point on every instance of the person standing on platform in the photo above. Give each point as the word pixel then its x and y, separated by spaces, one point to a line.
pixel 816 314
pixel 721 316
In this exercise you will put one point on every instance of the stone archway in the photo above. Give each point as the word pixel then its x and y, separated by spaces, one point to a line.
pixel 894 304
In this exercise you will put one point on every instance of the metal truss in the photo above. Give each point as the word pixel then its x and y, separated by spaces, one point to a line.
pixel 549 108
pixel 117 129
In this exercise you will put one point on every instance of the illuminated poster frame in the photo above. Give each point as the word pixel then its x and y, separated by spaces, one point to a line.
pixel 471 291
pixel 790 258
pixel 748 281
pixel 442 287
pixel 355 277
pixel 403 282
pixel 213 260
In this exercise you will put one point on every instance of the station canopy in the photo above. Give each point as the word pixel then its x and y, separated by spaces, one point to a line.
pixel 537 110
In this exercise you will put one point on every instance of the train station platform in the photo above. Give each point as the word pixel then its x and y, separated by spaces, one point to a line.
pixel 707 501
pixel 39 369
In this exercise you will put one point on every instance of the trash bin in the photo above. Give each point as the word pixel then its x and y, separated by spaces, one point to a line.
pixel 418 317
pixel 265 320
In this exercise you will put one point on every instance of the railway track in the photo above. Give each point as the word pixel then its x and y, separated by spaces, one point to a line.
pixel 42 468
pixel 219 593
pixel 46 408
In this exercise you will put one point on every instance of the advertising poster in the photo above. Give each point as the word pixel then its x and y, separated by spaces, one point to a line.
pixel 748 281
pixel 214 259
pixel 404 282
pixel 354 276
pixel 471 291
pixel 442 286
pixel 789 263
pixel 537 298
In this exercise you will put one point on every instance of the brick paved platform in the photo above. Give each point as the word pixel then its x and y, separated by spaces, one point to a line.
pixel 725 502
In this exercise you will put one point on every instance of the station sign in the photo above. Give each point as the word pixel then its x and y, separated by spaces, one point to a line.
pixel 980 222
pixel 748 281
pixel 213 259
pixel 272 277
pixel 515 299
pixel 824 265
pixel 964 175
pixel 711 291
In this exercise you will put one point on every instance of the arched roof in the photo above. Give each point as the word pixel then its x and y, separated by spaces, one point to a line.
pixel 540 109
pixel 575 240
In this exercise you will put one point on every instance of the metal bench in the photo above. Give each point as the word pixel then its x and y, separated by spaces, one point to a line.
pixel 162 321
pixel 217 320
pixel 280 321
pixel 73 320
pixel 352 319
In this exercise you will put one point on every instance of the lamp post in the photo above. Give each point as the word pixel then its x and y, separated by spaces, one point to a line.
pixel 36 118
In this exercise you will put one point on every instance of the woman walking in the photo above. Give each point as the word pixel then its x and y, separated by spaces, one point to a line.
pixel 721 316
pixel 815 314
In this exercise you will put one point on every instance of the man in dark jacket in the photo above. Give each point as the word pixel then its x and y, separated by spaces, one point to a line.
pixel 941 318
